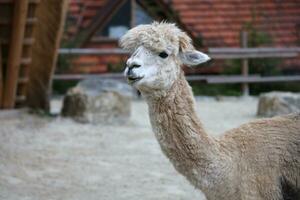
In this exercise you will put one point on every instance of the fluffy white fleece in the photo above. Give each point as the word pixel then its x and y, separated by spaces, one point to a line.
pixel 157 37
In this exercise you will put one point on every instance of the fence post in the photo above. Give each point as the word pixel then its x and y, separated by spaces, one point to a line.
pixel 133 13
pixel 245 64
pixel 1 78
pixel 15 53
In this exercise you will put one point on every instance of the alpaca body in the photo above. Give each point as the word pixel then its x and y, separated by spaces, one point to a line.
pixel 234 166
pixel 256 161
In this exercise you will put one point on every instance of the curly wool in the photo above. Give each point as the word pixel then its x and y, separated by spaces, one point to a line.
pixel 157 37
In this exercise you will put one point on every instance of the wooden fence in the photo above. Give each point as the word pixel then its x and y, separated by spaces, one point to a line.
pixel 215 53
pixel 29 40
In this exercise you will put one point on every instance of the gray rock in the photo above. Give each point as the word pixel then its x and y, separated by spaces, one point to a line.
pixel 278 103
pixel 98 101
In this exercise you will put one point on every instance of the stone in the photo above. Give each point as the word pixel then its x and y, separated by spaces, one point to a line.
pixel 278 103
pixel 98 101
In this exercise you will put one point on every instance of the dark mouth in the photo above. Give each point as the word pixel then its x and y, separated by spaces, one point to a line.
pixel 133 79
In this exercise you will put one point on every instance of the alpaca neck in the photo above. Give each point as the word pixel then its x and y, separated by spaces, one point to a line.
pixel 180 132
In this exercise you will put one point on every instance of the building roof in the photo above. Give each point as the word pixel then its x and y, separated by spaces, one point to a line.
pixel 219 22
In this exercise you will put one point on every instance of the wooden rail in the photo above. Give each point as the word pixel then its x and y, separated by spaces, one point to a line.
pixel 240 53
pixel 253 79
pixel 82 51
pixel 215 53
pixel 212 79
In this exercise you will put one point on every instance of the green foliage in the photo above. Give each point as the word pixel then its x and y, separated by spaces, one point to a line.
pixel 63 63
pixel 216 89
pixel 256 88
pixel 61 87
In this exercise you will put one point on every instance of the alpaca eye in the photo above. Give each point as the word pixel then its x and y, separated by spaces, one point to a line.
pixel 163 54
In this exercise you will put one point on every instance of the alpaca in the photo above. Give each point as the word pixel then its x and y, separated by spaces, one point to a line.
pixel 259 160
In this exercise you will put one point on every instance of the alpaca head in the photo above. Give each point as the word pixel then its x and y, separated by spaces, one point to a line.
pixel 158 51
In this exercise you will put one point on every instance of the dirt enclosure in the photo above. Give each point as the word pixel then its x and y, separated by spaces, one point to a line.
pixel 54 158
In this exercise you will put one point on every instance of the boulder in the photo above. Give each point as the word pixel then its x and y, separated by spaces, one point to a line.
pixel 278 103
pixel 98 101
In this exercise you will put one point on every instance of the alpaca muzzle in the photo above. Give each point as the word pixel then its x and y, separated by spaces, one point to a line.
pixel 131 76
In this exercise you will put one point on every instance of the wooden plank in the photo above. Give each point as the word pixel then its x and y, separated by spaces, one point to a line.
pixel 133 14
pixel 47 33
pixel 26 61
pixel 1 77
pixel 67 77
pixel 204 78
pixel 252 55
pixel 82 51
pixel 254 50
pixel 210 79
pixel 224 78
pixel 240 53
pixel 251 79
pixel 15 53
pixel 245 64
pixel 234 54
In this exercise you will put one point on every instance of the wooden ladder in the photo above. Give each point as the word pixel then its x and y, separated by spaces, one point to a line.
pixel 17 21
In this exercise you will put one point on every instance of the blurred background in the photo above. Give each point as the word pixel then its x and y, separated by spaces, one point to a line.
pixel 219 28
pixel 71 127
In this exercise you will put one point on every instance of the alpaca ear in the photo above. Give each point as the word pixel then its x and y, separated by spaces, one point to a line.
pixel 194 57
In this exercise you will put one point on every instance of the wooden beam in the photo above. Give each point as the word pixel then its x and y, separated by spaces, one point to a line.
pixel 99 21
pixel 47 33
pixel 253 79
pixel 133 13
pixel 1 78
pixel 26 61
pixel 222 53
pixel 210 79
pixel 201 78
pixel 15 53
pixel 215 78
pixel 67 77
pixel 245 64
pixel 243 53
pixel 82 51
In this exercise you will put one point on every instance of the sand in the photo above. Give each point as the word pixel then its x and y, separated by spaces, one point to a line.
pixel 56 158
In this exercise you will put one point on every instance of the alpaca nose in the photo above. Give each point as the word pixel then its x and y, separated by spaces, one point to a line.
pixel 130 67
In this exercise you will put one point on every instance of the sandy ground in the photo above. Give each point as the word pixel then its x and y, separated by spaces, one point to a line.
pixel 44 158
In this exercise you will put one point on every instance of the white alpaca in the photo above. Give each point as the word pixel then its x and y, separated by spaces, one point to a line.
pixel 257 161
